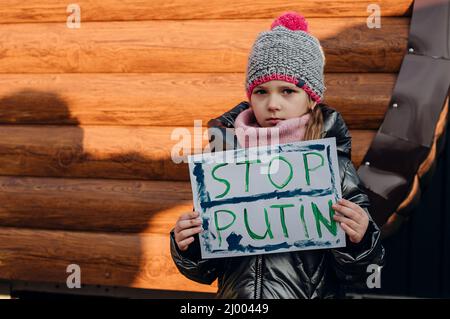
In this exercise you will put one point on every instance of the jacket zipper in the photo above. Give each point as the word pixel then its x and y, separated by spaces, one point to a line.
pixel 258 284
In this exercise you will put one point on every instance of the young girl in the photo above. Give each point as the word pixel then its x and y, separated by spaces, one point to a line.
pixel 284 86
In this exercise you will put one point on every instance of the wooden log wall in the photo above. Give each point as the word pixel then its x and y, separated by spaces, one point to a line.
pixel 86 117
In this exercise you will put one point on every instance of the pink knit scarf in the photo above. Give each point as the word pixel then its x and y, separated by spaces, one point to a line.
pixel 249 133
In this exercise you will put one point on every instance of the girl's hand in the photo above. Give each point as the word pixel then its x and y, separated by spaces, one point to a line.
pixel 354 220
pixel 188 224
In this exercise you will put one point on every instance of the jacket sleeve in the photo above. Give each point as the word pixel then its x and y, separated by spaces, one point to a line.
pixel 351 262
pixel 190 263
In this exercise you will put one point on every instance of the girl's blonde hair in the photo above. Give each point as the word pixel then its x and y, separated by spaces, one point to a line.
pixel 315 124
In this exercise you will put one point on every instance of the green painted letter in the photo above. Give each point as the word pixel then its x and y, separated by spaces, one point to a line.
pixel 220 228
pixel 282 219
pixel 331 226
pixel 288 179
pixel 307 169
pixel 251 233
pixel 302 216
pixel 247 168
pixel 227 184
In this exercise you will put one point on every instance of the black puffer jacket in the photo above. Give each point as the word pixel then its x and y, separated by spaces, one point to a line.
pixel 304 274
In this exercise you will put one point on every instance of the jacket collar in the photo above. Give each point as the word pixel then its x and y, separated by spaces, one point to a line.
pixel 334 125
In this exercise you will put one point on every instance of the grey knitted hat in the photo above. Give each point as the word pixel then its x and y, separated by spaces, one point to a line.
pixel 288 53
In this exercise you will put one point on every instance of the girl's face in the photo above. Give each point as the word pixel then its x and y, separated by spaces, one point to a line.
pixel 275 101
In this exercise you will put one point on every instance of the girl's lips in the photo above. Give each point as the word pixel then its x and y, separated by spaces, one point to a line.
pixel 274 121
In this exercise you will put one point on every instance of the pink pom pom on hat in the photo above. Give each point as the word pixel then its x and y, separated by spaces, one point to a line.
pixel 292 21
pixel 287 52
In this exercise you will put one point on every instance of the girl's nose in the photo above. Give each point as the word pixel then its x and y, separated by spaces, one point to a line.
pixel 274 107
pixel 273 103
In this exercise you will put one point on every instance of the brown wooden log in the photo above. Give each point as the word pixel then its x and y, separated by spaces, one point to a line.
pixel 124 260
pixel 13 11
pixel 110 152
pixel 168 99
pixel 97 205
pixel 189 46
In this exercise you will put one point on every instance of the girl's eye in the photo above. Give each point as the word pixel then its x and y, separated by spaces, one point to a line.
pixel 289 91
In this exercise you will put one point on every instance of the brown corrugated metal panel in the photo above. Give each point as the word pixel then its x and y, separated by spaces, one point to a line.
pixel 406 137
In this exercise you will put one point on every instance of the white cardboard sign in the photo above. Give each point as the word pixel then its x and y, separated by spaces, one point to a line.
pixel 268 199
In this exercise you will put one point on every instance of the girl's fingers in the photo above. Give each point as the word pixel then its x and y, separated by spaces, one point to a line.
pixel 351 205
pixel 346 211
pixel 189 215
pixel 182 235
pixel 184 244
pixel 355 220
pixel 180 224
pixel 349 222
pixel 187 223
pixel 350 232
